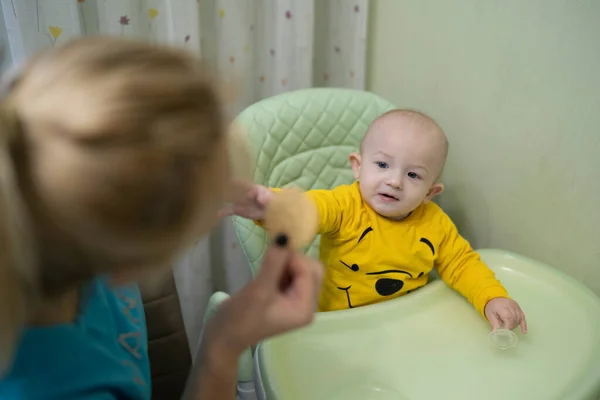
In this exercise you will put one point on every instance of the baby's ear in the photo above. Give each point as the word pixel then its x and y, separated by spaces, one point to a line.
pixel 435 189
pixel 355 162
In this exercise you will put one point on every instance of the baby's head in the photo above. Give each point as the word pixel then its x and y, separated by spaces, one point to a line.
pixel 114 157
pixel 401 159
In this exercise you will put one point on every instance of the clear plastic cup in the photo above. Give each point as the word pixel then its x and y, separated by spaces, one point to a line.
pixel 503 339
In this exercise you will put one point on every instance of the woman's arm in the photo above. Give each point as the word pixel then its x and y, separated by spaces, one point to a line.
pixel 282 297
pixel 214 375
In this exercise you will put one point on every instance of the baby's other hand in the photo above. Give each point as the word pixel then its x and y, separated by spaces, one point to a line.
pixel 505 313
pixel 251 204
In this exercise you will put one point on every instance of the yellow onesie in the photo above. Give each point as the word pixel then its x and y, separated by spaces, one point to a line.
pixel 369 258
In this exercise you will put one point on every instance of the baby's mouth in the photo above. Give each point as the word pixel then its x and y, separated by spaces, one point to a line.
pixel 388 197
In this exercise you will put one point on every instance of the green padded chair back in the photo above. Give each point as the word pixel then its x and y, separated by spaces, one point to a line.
pixel 303 139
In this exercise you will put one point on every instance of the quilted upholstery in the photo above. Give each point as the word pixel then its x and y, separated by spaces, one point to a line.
pixel 303 139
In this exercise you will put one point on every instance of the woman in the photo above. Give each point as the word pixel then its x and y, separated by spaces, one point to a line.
pixel 114 158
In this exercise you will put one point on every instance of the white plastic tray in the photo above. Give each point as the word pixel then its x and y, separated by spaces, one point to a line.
pixel 432 344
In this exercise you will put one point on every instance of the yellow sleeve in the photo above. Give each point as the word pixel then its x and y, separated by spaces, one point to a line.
pixel 330 205
pixel 462 269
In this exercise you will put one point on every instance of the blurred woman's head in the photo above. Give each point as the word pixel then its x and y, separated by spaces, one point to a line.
pixel 114 157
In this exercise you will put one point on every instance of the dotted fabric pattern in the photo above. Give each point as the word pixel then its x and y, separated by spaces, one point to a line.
pixel 303 139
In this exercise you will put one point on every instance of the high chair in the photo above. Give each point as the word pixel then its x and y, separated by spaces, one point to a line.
pixel 430 344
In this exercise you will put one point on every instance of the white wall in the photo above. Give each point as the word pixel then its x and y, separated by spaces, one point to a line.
pixel 516 86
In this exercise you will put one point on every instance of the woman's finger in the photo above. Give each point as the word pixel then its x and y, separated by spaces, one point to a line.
pixel 303 288
pixel 274 261
pixel 317 272
pixel 301 273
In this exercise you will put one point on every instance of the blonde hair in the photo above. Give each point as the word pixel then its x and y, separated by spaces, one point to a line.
pixel 113 156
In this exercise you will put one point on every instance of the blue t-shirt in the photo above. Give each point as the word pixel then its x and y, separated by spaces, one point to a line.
pixel 102 355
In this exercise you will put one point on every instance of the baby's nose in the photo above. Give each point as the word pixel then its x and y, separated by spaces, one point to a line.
pixel 395 182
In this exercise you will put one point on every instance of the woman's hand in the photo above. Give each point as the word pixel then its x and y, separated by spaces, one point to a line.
pixel 282 297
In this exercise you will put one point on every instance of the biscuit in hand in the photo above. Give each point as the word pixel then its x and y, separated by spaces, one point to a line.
pixel 291 212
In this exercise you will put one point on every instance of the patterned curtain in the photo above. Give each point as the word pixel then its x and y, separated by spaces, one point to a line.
pixel 264 47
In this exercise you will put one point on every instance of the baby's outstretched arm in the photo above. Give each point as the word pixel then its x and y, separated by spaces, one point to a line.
pixel 330 206
pixel 251 203
pixel 463 270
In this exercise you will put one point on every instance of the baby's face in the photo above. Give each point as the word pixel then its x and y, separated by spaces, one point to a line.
pixel 398 166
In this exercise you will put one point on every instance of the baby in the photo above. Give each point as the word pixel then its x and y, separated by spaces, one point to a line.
pixel 382 235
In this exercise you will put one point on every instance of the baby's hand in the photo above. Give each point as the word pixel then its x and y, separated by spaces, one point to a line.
pixel 251 204
pixel 505 313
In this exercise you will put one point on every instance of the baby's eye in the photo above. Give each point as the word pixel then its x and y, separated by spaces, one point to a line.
pixel 381 164
pixel 413 175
